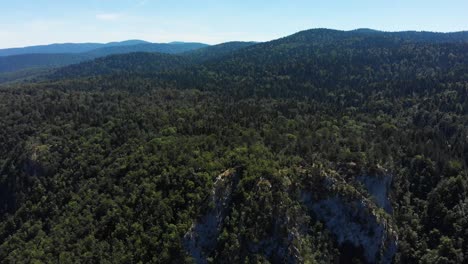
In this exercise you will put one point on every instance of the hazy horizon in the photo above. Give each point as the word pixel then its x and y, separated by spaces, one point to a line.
pixel 195 41
pixel 29 23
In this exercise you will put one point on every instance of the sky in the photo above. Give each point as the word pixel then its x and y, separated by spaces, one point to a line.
pixel 35 22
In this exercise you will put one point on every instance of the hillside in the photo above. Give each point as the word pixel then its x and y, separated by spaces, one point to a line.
pixel 314 59
pixel 321 147
pixel 31 74
pixel 316 62
pixel 131 63
pixel 216 51
pixel 21 62
pixel 50 60
pixel 147 63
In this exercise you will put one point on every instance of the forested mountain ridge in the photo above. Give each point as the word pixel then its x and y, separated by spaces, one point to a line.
pixel 169 48
pixel 149 63
pixel 315 57
pixel 423 36
pixel 216 51
pixel 49 60
pixel 91 51
pixel 322 147
pixel 321 35
pixel 65 48
pixel 315 62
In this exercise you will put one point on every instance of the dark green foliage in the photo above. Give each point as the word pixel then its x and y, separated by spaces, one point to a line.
pixel 20 62
pixel 33 74
pixel 132 63
pixel 115 162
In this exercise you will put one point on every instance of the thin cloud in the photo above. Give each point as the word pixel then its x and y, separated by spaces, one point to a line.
pixel 108 17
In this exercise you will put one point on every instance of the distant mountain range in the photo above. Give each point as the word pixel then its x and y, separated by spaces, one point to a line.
pixel 15 61
pixel 143 57
pixel 83 47
pixel 311 56
pixel 67 47
pixel 146 63
pixel 57 55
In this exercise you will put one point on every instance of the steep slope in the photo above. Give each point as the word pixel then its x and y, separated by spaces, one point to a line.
pixel 362 229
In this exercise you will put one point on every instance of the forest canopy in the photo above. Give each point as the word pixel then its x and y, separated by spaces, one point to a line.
pixel 247 153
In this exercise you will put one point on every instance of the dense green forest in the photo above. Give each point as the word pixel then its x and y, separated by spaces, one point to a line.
pixel 321 147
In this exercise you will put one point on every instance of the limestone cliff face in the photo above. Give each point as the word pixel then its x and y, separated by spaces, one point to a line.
pixel 355 218
pixel 378 186
pixel 202 237
pixel 356 211
pixel 33 163
pixel 355 223
pixel 279 246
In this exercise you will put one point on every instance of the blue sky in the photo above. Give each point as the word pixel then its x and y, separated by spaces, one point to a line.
pixel 31 22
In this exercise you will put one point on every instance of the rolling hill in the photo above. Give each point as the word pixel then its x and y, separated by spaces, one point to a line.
pixel 48 60
pixel 27 61
pixel 317 61
pixel 216 51
pixel 320 58
pixel 66 48
pixel 148 63
pixel 131 63
pixel 173 48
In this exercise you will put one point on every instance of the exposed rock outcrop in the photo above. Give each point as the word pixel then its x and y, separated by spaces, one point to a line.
pixel 279 245
pixel 202 237
pixel 378 187
pixel 355 219
pixel 33 165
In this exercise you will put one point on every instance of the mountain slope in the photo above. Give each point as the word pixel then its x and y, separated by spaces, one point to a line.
pixel 321 147
pixel 315 61
pixel 24 75
pixel 422 36
pixel 216 51
pixel 145 63
pixel 131 63
pixel 25 61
